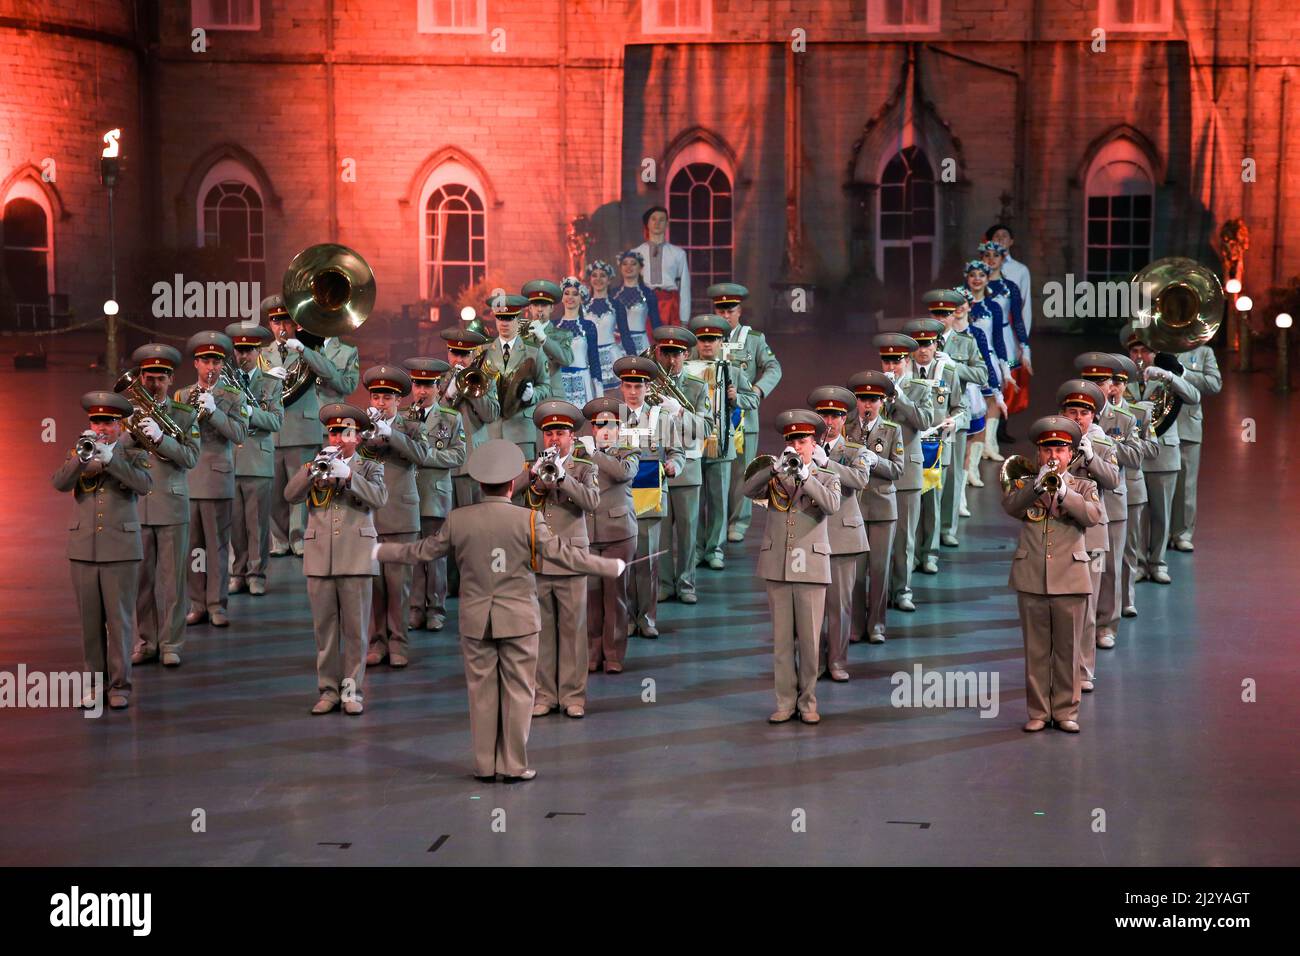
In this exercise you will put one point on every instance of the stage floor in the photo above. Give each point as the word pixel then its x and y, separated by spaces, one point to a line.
pixel 1184 770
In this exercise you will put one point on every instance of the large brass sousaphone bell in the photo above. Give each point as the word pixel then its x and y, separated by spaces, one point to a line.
pixel 1185 311
pixel 329 290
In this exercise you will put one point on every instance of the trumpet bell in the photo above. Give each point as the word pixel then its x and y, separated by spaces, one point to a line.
pixel 329 290
pixel 1186 305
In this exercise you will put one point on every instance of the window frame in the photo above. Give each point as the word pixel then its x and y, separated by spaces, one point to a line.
pixel 200 19
pixel 225 171
pixel 695 153
pixel 876 22
pixel 425 20
pixel 1108 19
pixel 935 237
pixel 27 188
pixel 1121 150
pixel 448 173
pixel 650 20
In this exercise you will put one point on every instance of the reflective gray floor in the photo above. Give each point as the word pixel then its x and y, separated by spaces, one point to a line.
pixel 1185 772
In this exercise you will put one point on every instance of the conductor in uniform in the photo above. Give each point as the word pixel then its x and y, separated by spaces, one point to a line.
pixel 338 559
pixel 794 558
pixel 499 547
pixel 1050 572
pixel 105 479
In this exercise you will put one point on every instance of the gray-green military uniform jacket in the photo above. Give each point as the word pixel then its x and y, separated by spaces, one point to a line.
pixel 615 517
pixel 961 347
pixel 948 396
pixel 1201 371
pixel 341 532
pixel 475 416
pixel 167 501
pixel 885 438
pixel 347 360
pixel 845 528
pixel 301 424
pixel 912 409
pixel 558 349
pixel 213 476
pixel 255 455
pixel 445 436
pixel 519 428
pixel 402 454
pixel 760 365
pixel 693 427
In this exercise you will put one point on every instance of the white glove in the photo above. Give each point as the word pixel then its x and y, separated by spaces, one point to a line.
pixel 1064 486
pixel 278 371
pixel 587 442
pixel 892 375
pixel 1159 374
pixel 820 456
pixel 208 402
pixel 374 552
pixel 103 453
pixel 340 469
pixel 1085 446
pixel 151 429
pixel 671 405
pixel 871 458
pixel 622 566
pixel 538 332
pixel 804 472
pixel 295 345
pixel 1042 473
pixel 451 391
pixel 526 395
pixel 383 429
pixel 560 473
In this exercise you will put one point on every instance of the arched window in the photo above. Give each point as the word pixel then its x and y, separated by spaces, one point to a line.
pixel 29 252
pixel 905 252
pixel 1119 210
pixel 230 216
pixel 699 215
pixel 453 232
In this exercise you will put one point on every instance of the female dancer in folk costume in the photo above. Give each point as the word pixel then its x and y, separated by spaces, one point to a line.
pixel 581 380
pixel 639 301
pixel 985 314
pixel 608 314
pixel 977 397
pixel 1012 336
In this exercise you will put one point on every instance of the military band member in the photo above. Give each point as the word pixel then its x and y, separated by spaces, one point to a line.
pixel 877 502
pixel 912 409
pixel 963 348
pixel 399 445
pixel 104 541
pixel 254 461
pixel 747 348
pixel 556 343
pixel 1127 427
pixel 164 513
pixel 1050 572
pixel 561 486
pixel 649 430
pixel 446 437
pixel 694 426
pixel 794 559
pixel 223 424
pixel 1161 472
pixel 505 354
pixel 719 454
pixel 475 413
pixel 845 529
pixel 347 360
pixel 939 372
pixel 498 547
pixel 339 560
pixel 1201 370
pixel 612 530
pixel 1097 460
pixel 300 434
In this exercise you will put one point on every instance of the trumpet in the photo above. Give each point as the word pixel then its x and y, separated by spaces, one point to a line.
pixel 86 447
pixel 789 464
pixel 548 467
pixel 1018 466
pixel 200 388
pixel 320 466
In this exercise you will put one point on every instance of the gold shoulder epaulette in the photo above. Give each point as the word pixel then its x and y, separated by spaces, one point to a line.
pixel 695 378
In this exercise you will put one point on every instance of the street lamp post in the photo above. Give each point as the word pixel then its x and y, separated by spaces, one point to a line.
pixel 1283 322
pixel 1244 305
pixel 1233 288
pixel 108 174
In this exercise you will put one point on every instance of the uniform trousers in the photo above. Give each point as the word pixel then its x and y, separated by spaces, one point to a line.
pixel 839 607
pixel 562 646
pixel 340 610
pixel 643 586
pixel 909 516
pixel 871 585
pixel 1051 624
pixel 797 610
pixel 927 525
pixel 714 510
pixel 1183 523
pixel 106 594
pixel 499 676
pixel 1132 550
pixel 210 531
pixel 1156 519
pixel 1088 627
pixel 429 578
pixel 740 507
pixel 1112 579
pixel 289 521
pixel 682 522
pixel 160 601
pixel 607 606
pixel 954 480
pixel 392 594
pixel 250 532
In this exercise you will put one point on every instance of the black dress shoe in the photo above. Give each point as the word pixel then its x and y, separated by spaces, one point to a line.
pixel 486 778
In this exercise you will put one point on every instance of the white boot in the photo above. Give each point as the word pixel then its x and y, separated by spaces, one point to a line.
pixel 991 452
pixel 962 510
pixel 973 470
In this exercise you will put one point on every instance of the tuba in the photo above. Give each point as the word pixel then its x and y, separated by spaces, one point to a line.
pixel 1185 312
pixel 146 406
pixel 328 290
